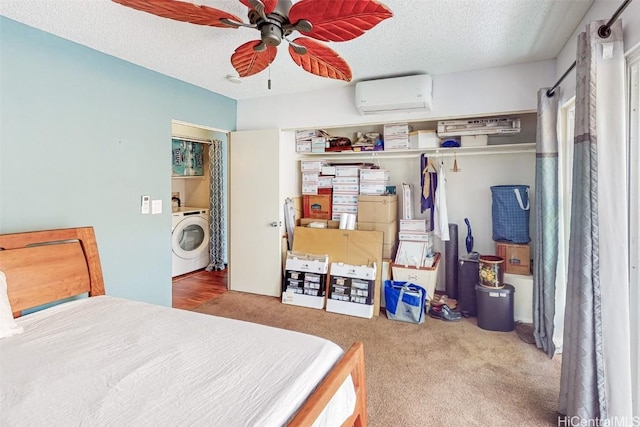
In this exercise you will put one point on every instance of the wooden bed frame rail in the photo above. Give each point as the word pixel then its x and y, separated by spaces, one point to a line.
pixel 51 265
pixel 352 363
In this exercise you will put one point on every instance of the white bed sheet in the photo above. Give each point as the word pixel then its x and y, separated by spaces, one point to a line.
pixel 109 361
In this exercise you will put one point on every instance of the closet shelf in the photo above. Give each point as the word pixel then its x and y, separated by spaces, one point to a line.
pixel 201 177
pixel 442 151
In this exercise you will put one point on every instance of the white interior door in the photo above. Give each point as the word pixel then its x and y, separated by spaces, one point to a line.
pixel 254 212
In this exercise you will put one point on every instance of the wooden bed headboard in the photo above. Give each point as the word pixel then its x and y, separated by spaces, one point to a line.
pixel 50 265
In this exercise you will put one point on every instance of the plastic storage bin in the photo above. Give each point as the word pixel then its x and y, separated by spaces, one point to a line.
pixel 495 308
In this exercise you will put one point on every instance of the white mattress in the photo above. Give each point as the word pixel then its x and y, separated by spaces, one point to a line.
pixel 108 361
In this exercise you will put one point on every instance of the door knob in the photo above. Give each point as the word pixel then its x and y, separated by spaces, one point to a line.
pixel 275 223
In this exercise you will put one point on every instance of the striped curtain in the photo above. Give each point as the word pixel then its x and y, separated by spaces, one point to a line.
pixel 545 256
pixel 217 226
pixel 595 379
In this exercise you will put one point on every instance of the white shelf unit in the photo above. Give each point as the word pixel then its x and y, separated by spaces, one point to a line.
pixel 442 152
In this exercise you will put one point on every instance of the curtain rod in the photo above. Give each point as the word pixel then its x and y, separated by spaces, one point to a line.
pixel 604 31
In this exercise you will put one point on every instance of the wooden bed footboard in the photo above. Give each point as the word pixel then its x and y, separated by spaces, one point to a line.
pixel 50 265
pixel 352 363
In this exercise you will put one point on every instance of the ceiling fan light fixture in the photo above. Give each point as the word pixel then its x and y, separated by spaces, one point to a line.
pixel 234 79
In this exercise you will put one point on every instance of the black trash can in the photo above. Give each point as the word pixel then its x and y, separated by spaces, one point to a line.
pixel 495 308
pixel 468 278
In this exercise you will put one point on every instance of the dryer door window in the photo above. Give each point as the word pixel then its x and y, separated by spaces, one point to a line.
pixel 191 237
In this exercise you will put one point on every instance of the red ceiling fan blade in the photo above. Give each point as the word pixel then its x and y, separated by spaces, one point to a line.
pixel 248 62
pixel 269 5
pixel 321 60
pixel 339 20
pixel 182 11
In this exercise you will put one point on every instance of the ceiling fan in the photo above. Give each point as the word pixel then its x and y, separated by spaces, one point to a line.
pixel 321 20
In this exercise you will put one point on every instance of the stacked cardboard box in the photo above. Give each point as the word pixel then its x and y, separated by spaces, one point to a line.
pixel 346 184
pixel 374 181
pixel 306 139
pixel 380 213
pixel 396 136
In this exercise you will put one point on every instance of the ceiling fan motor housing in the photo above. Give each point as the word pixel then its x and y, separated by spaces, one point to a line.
pixel 271 28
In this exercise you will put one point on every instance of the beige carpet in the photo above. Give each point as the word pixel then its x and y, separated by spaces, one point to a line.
pixel 435 374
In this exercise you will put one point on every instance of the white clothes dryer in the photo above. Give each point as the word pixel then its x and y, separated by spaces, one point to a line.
pixel 189 240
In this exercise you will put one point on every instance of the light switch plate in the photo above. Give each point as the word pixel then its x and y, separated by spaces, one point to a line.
pixel 156 207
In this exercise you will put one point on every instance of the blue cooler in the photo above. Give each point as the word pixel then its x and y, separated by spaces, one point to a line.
pixel 495 308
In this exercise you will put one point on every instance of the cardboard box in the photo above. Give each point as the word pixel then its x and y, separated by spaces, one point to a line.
pixel 382 209
pixel 517 257
pixel 317 206
pixel 389 250
pixel 389 231
pixel 427 277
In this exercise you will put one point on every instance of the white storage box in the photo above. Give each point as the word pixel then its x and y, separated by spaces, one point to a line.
pixel 354 271
pixel 301 261
pixel 338 209
pixel 396 129
pixel 424 139
pixel 311 165
pixel 343 180
pixel 307 133
pixel 350 308
pixel 427 277
pixel 303 300
pixel 325 182
pixel 347 171
pixel 328 170
pixel 345 199
pixel 373 188
pixel 311 177
pixel 310 188
pixel 303 146
pixel 473 140
pixel 416 237
pixel 374 175
pixel 391 144
pixel 346 188
pixel 413 225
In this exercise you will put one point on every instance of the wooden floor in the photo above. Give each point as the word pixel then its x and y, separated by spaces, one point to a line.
pixel 192 289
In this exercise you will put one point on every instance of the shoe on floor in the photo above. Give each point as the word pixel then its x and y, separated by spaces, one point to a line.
pixel 443 312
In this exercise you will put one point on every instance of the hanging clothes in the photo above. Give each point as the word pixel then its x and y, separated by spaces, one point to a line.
pixel 441 219
pixel 428 183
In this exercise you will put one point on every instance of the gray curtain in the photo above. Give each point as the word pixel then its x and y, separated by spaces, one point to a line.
pixel 595 374
pixel 217 225
pixel 545 256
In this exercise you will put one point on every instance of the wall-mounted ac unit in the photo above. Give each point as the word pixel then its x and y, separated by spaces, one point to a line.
pixel 410 93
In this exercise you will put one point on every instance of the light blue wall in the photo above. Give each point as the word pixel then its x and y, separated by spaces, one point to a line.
pixel 83 136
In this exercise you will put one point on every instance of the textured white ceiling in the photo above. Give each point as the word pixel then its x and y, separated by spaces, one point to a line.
pixel 423 36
